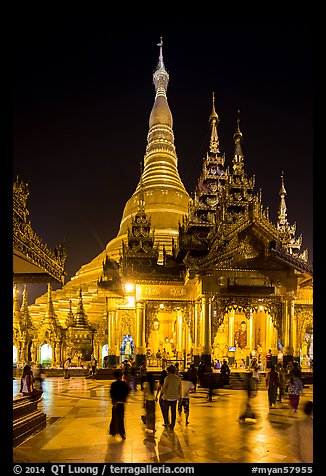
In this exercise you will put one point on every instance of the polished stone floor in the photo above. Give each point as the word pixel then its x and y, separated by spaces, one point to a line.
pixel 78 415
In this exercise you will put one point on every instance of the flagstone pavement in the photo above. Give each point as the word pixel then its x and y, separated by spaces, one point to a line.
pixel 78 414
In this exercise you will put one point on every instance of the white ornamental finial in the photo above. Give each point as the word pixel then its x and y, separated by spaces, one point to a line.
pixel 160 44
pixel 161 76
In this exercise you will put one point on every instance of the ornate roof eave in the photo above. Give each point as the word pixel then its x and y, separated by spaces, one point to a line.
pixel 297 263
pixel 30 254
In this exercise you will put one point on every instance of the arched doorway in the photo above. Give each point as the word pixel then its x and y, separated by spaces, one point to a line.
pixel 46 355
pixel 105 354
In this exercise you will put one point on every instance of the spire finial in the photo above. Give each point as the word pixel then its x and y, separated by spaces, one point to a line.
pixel 160 60
pixel 214 120
pixel 161 76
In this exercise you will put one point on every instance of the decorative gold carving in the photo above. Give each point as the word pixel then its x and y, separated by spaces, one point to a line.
pixel 26 241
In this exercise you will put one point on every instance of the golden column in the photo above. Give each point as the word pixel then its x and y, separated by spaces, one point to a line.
pixel 197 324
pixel 113 358
pixel 296 347
pixel 269 331
pixel 231 327
pixel 288 313
pixel 140 333
pixel 251 332
pixel 179 333
pixel 207 328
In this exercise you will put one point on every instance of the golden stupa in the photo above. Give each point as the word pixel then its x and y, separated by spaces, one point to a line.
pixel 166 202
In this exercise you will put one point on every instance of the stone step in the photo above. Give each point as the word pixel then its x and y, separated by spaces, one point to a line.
pixel 27 419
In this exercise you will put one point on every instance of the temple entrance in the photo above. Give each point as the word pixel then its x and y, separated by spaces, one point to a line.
pixel 240 339
pixel 169 337
pixel 46 355
pixel 105 353
pixel 162 337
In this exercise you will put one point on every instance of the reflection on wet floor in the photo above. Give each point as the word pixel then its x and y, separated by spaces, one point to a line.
pixel 79 411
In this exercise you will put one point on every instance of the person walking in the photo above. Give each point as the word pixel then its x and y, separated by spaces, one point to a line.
pixel 93 366
pixel 133 377
pixel 268 359
pixel 225 371
pixel 149 402
pixel 272 384
pixel 302 436
pixel 193 375
pixel 283 381
pixel 143 374
pixel 119 392
pixel 295 387
pixel 66 366
pixel 251 389
pixel 171 393
pixel 158 395
pixel 177 369
pixel 184 402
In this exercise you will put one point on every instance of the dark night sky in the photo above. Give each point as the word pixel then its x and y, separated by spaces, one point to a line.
pixel 83 93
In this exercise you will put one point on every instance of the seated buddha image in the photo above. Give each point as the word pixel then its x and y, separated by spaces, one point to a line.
pixel 240 336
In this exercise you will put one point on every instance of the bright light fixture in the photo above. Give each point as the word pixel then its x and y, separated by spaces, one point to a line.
pixel 129 287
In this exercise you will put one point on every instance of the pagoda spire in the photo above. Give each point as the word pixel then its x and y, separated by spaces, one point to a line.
pixel 16 309
pixel 80 316
pixel 214 120
pixel 25 316
pixel 160 76
pixel 50 315
pixel 291 243
pixel 70 320
pixel 166 197
pixel 238 158
pixel 282 211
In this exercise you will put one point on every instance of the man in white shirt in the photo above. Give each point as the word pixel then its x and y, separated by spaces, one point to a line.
pixel 171 393
pixel 186 387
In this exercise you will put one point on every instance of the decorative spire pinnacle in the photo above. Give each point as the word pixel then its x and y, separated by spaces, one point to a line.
pixel 282 211
pixel 50 315
pixel 80 316
pixel 238 154
pixel 70 320
pixel 26 318
pixel 214 120
pixel 160 60
pixel 16 308
pixel 160 76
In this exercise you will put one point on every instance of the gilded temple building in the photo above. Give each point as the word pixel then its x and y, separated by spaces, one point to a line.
pixel 201 276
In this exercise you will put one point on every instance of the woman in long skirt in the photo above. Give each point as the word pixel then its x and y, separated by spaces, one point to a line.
pixel 149 402
pixel 295 388
pixel 119 392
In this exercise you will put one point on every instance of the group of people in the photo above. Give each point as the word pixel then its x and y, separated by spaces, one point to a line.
pixel 171 392
pixel 280 380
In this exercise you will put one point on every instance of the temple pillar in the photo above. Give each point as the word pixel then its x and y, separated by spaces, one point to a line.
pixel 185 344
pixel 197 324
pixel 231 328
pixel 251 331
pixel 112 328
pixel 207 328
pixel 269 331
pixel 288 317
pixel 140 333
pixel 296 348
pixel 179 333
